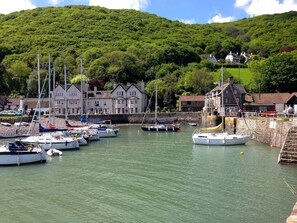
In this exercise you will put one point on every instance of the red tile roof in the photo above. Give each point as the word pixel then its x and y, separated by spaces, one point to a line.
pixel 272 98
pixel 192 98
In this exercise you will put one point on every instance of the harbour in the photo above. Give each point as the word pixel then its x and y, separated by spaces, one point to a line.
pixel 151 177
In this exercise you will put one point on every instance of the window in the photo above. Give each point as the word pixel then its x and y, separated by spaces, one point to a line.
pixel 118 110
pixel 132 93
pixel 132 102
pixel 120 93
pixel 136 110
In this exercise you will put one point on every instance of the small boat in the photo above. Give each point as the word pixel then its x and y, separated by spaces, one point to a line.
pixel 54 152
pixel 219 139
pixel 17 153
pixel 160 126
pixel 53 140
pixel 5 123
pixel 104 132
pixel 192 124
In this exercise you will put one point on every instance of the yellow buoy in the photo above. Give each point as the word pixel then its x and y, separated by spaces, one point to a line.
pixel 241 153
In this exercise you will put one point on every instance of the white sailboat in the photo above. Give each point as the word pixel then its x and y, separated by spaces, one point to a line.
pixel 160 126
pixel 17 153
pixel 211 137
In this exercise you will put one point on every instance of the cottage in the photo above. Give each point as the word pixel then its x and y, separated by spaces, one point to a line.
pixel 191 103
pixel 232 58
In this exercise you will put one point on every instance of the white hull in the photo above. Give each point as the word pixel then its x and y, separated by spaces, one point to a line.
pixel 107 133
pixel 19 159
pixel 219 139
pixel 48 142
pixel 22 155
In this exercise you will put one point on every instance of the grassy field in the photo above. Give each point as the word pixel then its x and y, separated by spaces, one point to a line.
pixel 242 74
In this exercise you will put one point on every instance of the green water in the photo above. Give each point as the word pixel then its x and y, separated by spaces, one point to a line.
pixel 151 177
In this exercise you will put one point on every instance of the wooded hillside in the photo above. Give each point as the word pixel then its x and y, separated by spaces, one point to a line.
pixel 128 45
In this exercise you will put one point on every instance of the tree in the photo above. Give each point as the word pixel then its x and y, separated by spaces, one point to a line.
pixel 280 73
pixel 117 66
pixel 198 81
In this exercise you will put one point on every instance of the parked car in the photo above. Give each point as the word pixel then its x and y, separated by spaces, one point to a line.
pixel 10 113
pixel 269 114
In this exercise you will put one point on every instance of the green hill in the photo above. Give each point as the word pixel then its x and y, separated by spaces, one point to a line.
pixel 126 45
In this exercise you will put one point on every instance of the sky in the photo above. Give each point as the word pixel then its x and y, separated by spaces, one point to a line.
pixel 186 11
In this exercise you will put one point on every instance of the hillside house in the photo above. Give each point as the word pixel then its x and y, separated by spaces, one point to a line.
pixel 191 103
pixel 211 58
pixel 232 58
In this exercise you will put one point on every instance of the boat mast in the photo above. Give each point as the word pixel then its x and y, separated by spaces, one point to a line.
pixel 49 91
pixel 81 90
pixel 53 96
pixel 65 92
pixel 38 73
pixel 156 103
pixel 222 104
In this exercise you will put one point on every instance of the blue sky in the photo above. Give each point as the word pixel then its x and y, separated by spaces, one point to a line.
pixel 187 11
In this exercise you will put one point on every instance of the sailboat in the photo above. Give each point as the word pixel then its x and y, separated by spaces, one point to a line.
pixel 160 126
pixel 211 136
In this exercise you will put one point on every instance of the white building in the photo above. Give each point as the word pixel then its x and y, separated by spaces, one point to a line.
pixel 129 99
pixel 232 58
pixel 123 99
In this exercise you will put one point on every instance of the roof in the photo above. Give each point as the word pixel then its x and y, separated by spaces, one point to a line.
pixel 192 98
pixel 30 102
pixel 272 98
pixel 102 95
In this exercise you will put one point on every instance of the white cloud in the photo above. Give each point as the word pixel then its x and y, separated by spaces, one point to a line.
pixel 55 2
pixel 260 7
pixel 188 21
pixel 121 4
pixel 219 19
pixel 8 6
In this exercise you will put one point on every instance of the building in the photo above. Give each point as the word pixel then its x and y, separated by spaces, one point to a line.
pixel 211 58
pixel 278 102
pixel 232 58
pixel 191 103
pixel 226 99
pixel 129 99
pixel 123 99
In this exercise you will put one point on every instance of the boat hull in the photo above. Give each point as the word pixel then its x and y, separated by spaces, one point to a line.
pixel 19 158
pixel 219 139
pixel 159 128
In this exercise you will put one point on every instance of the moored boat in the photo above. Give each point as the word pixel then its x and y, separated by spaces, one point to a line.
pixel 18 153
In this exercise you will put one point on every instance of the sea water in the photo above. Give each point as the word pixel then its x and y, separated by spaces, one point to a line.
pixel 151 177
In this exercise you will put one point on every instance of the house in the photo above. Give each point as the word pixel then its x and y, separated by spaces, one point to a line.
pixel 100 102
pixel 129 99
pixel 71 97
pixel 191 103
pixel 278 102
pixel 123 99
pixel 232 58
pixel 25 105
pixel 233 95
pixel 211 58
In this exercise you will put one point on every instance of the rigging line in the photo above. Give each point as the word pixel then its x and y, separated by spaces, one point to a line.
pixel 43 86
pixel 147 109
pixel 237 103
pixel 291 188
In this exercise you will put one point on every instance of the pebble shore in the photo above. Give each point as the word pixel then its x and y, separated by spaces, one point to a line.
pixel 22 130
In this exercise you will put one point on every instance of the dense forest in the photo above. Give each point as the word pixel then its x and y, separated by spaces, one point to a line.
pixel 129 46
